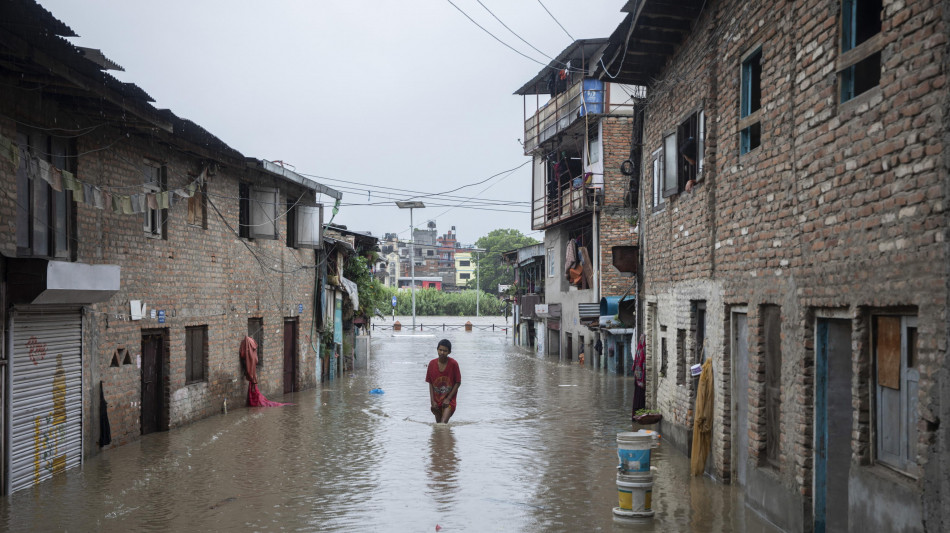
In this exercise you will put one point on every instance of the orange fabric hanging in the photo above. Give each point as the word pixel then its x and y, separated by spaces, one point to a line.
pixel 702 423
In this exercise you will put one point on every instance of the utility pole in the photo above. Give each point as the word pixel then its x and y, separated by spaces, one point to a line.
pixel 412 253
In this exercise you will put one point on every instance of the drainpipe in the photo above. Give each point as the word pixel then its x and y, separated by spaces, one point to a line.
pixel 596 254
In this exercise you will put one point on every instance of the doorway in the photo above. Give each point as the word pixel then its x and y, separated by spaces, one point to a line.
pixel 153 382
pixel 740 394
pixel 290 354
pixel 569 346
pixel 832 423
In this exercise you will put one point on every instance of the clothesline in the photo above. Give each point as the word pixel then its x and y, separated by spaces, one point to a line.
pixel 95 195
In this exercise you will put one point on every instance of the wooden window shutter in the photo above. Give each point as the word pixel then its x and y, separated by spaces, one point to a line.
pixel 888 344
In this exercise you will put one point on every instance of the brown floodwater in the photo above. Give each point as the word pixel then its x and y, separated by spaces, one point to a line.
pixel 531 448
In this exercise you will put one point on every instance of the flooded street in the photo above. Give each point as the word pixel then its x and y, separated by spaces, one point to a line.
pixel 531 448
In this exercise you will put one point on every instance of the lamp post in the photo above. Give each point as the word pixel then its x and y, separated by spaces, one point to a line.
pixel 412 254
pixel 478 291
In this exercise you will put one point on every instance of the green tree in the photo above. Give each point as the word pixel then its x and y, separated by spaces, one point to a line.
pixel 371 292
pixel 491 271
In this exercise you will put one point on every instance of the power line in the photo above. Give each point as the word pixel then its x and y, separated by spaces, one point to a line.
pixel 514 33
pixel 555 20
pixel 513 49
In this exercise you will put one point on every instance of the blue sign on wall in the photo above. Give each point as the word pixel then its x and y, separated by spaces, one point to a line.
pixel 161 316
pixel 300 308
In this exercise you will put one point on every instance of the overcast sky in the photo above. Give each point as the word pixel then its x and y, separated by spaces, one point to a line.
pixel 373 98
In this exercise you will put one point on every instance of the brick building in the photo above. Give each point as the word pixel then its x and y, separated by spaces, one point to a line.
pixel 794 231
pixel 578 137
pixel 138 250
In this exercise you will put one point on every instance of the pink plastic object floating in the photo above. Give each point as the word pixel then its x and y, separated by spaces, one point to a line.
pixel 438 527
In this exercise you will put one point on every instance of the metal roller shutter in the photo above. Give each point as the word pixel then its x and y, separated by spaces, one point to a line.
pixel 46 396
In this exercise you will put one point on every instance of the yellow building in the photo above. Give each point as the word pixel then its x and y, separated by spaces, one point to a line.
pixel 464 268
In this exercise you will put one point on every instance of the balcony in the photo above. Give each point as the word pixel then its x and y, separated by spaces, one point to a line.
pixel 567 201
pixel 558 114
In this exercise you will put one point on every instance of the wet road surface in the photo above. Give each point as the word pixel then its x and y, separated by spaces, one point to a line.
pixel 532 447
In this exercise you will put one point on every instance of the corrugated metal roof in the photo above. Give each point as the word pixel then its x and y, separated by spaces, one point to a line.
pixel 581 53
pixel 97 57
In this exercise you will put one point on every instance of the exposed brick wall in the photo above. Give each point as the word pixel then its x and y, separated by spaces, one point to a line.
pixel 198 276
pixel 842 208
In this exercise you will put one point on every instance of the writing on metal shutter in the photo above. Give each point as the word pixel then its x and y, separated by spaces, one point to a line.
pixel 46 396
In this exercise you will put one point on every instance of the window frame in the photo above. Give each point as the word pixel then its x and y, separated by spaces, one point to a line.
pixel 856 50
pixel 42 202
pixel 677 170
pixel 197 214
pixel 465 275
pixel 658 201
pixel 196 367
pixel 750 101
pixel 905 397
pixel 300 234
pixel 253 200
pixel 155 181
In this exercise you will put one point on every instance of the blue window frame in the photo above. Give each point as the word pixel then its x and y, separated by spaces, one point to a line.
pixel 861 68
pixel 750 102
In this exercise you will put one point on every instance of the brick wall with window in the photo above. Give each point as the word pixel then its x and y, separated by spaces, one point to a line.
pixel 837 202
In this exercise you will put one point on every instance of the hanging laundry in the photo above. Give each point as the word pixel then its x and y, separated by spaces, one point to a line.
pixel 87 194
pixel 125 204
pixel 97 198
pixel 151 200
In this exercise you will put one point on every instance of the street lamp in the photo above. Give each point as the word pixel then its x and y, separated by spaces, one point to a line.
pixel 477 290
pixel 412 254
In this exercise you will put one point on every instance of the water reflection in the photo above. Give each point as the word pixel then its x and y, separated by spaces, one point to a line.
pixel 532 448
pixel 443 467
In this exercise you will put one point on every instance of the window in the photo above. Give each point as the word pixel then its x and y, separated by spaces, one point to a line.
pixel 258 214
pixel 772 359
pixel 551 262
pixel 304 225
pixel 593 146
pixel 430 253
pixel 155 183
pixel 859 65
pixel 464 263
pixel 44 215
pixel 465 275
pixel 680 356
pixel 255 330
pixel 658 202
pixel 198 206
pixel 895 359
pixel 750 103
pixel 196 353
pixel 663 356
pixel 683 154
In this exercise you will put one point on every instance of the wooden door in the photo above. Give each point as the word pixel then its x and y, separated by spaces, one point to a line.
pixel 290 354
pixel 153 398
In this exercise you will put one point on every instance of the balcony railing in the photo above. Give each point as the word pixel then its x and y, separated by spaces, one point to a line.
pixel 585 96
pixel 569 200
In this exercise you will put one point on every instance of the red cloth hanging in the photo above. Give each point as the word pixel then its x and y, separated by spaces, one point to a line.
pixel 249 360
pixel 256 399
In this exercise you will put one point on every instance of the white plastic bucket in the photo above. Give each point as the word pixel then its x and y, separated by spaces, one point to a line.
pixel 633 450
pixel 634 493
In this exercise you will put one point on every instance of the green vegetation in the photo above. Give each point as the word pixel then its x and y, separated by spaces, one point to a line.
pixel 371 292
pixel 432 302
pixel 491 271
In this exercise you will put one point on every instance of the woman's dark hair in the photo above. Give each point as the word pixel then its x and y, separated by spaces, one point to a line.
pixel 446 343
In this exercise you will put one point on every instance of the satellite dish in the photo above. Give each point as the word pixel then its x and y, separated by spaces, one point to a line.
pixel 431 224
